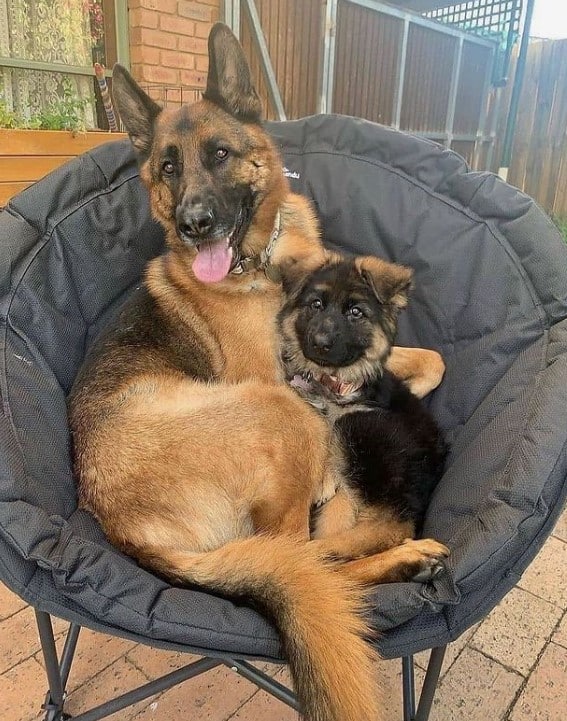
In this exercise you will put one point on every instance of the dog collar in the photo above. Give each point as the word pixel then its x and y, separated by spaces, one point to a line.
pixel 263 261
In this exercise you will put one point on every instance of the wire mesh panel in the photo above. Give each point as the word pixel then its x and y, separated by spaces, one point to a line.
pixel 498 20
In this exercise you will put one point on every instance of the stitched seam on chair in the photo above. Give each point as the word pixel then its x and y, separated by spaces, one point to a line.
pixel 43 241
pixel 74 540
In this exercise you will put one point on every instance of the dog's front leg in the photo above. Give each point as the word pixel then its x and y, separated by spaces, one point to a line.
pixel 420 368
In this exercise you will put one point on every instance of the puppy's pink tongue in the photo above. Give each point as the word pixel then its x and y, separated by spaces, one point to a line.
pixel 213 260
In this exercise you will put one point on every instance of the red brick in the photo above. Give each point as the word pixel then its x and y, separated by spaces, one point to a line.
pixel 155 38
pixel 136 71
pixel 542 699
pixel 214 696
pixel 9 602
pixel 194 10
pixel 22 691
pixel 156 92
pixel 172 97
pixel 201 63
pixel 163 6
pixel 119 677
pixel 157 74
pixel 198 46
pixel 95 652
pixel 193 78
pixel 177 25
pixel 144 55
pixel 177 60
pixel 202 30
pixel 139 17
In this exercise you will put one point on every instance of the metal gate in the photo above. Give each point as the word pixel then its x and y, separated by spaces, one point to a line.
pixel 371 60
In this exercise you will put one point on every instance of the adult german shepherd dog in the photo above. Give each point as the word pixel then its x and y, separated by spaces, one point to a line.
pixel 191 451
pixel 337 327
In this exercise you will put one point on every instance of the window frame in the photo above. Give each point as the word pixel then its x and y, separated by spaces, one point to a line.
pixel 119 43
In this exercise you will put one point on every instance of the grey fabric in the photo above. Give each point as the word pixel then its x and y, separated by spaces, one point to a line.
pixel 490 294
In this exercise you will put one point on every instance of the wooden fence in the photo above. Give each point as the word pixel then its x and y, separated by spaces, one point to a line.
pixel 539 153
pixel 379 62
pixel 400 70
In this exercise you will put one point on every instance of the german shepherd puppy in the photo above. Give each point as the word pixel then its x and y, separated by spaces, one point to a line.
pixel 337 326
pixel 180 416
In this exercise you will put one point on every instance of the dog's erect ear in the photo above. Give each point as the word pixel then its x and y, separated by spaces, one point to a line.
pixel 229 83
pixel 390 282
pixel 137 110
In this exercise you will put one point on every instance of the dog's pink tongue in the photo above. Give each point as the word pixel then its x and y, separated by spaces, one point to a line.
pixel 213 261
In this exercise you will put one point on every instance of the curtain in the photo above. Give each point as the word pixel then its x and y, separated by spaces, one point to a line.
pixel 53 31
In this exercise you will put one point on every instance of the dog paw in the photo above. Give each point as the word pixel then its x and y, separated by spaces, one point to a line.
pixel 423 559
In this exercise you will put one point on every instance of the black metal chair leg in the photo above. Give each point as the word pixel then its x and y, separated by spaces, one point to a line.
pixel 430 683
pixel 58 673
pixel 56 694
pixel 408 688
pixel 69 652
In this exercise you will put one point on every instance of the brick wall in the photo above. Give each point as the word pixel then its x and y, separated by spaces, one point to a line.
pixel 168 42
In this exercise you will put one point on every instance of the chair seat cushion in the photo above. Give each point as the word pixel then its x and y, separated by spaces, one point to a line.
pixel 490 294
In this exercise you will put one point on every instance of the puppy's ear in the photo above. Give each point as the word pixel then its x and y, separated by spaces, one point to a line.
pixel 229 82
pixel 297 265
pixel 390 282
pixel 137 110
pixel 294 271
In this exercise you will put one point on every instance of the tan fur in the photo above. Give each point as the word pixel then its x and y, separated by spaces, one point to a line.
pixel 411 555
pixel 346 528
pixel 422 369
pixel 375 537
pixel 194 472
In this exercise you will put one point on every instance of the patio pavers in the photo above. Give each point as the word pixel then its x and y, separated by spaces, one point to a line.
pixel 510 667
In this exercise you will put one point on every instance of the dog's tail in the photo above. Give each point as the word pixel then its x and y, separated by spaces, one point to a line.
pixel 315 607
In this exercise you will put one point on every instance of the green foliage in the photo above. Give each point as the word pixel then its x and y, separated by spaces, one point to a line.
pixel 8 119
pixel 561 223
pixel 66 113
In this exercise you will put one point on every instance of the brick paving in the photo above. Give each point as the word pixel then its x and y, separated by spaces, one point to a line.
pixel 510 667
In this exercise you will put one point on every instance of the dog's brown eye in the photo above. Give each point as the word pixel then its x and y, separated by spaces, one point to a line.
pixel 221 154
pixel 317 304
pixel 356 312
pixel 168 168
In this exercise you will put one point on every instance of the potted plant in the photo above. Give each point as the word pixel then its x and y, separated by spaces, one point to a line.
pixel 32 147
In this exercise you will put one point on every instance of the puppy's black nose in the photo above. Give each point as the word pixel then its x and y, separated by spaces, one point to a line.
pixel 322 341
pixel 196 221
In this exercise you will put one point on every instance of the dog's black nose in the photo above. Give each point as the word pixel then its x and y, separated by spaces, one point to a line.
pixel 195 222
pixel 322 341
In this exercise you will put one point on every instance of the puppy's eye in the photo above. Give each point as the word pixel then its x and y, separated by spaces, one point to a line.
pixel 221 154
pixel 356 312
pixel 168 168
pixel 316 304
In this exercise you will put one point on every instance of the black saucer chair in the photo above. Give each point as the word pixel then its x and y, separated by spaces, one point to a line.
pixel 490 294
